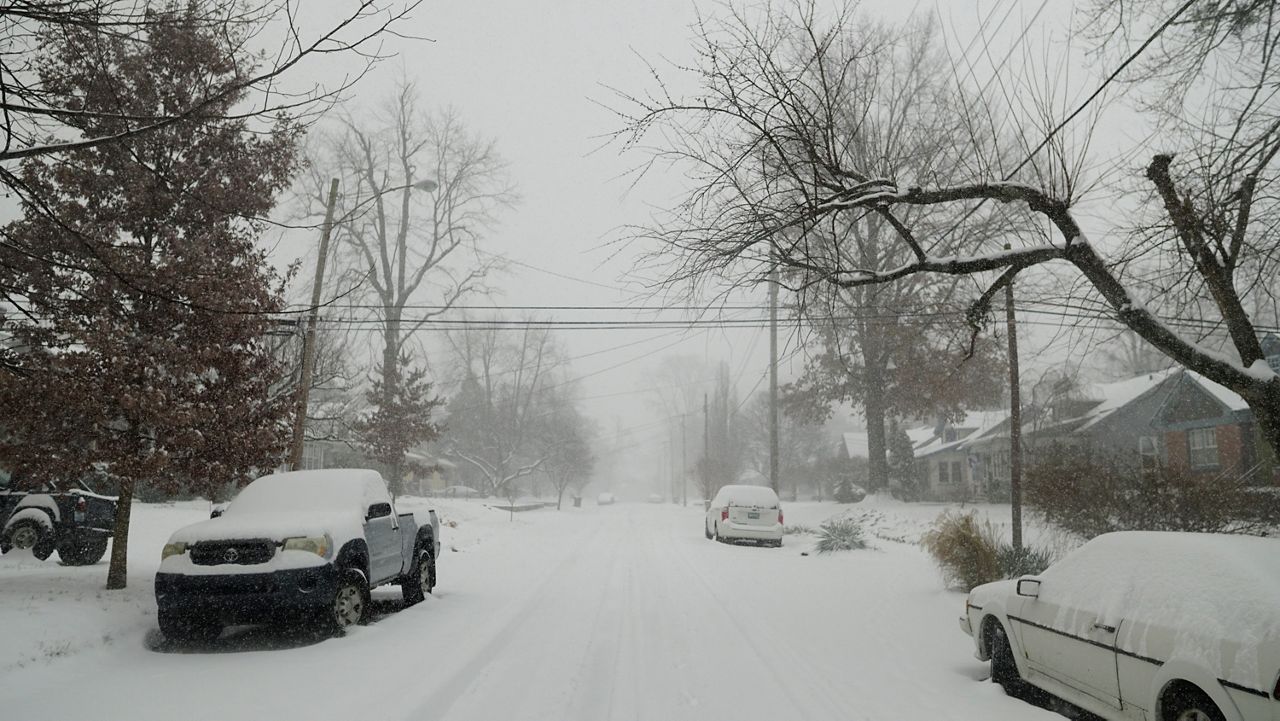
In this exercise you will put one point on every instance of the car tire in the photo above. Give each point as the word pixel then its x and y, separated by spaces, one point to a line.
pixel 82 549
pixel 187 629
pixel 1004 669
pixel 29 534
pixel 349 605
pixel 720 538
pixel 1190 704
pixel 420 580
pixel 707 530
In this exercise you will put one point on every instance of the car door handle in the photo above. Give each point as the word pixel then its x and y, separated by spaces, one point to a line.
pixel 1104 627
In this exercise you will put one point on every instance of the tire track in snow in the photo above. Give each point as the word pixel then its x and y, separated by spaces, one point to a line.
pixel 441 700
pixel 818 700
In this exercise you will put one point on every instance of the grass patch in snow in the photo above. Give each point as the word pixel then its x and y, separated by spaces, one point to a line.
pixel 842 534
pixel 796 529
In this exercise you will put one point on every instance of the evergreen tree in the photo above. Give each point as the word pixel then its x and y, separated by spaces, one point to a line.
pixel 142 346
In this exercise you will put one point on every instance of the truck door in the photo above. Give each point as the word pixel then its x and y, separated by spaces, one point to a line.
pixel 383 538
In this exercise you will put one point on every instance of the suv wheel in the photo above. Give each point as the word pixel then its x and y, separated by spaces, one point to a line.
pixel 82 549
pixel 29 534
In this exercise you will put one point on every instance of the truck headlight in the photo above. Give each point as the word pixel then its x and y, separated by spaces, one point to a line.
pixel 318 545
pixel 173 549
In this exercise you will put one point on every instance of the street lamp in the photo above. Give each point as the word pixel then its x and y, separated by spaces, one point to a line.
pixel 309 340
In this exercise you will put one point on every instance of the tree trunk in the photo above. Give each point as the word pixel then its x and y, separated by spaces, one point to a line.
pixel 877 463
pixel 117 572
pixel 559 495
pixel 391 388
pixel 1266 411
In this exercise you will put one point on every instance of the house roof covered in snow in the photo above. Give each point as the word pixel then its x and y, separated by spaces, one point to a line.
pixel 974 425
pixel 856 444
pixel 1116 395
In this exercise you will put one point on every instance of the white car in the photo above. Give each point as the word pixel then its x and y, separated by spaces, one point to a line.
pixel 605 499
pixel 745 513
pixel 1142 625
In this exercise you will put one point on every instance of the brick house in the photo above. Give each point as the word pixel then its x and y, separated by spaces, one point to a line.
pixel 1209 431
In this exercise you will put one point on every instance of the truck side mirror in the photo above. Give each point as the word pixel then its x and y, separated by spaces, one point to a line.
pixel 378 510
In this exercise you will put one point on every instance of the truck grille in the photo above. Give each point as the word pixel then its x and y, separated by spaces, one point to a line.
pixel 243 553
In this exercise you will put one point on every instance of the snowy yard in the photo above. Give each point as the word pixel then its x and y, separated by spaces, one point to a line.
pixel 618 612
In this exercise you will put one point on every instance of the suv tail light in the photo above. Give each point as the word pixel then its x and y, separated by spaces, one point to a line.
pixel 724 513
pixel 780 517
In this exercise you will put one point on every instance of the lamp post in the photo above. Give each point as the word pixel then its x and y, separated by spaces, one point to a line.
pixel 309 339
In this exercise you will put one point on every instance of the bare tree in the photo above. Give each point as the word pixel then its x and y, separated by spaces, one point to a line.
pixel 420 192
pixel 494 411
pixel 38 120
pixel 564 439
pixel 761 109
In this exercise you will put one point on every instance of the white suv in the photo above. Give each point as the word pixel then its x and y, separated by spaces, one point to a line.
pixel 745 513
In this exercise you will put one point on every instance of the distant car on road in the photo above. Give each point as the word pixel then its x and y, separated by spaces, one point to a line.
pixel 605 499
pixel 304 545
pixel 656 498
pixel 1142 625
pixel 460 492
pixel 745 513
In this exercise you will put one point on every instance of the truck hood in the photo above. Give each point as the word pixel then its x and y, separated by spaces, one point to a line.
pixel 339 526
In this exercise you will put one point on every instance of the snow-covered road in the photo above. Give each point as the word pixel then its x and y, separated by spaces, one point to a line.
pixel 623 612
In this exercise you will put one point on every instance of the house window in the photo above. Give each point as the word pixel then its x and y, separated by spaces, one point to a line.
pixel 312 457
pixel 1149 454
pixel 1203 445
pixel 957 475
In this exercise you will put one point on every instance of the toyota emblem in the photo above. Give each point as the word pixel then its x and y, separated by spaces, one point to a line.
pixel 231 556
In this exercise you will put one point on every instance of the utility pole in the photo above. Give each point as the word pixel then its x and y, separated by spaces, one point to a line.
pixel 706 447
pixel 773 380
pixel 684 462
pixel 309 340
pixel 1015 419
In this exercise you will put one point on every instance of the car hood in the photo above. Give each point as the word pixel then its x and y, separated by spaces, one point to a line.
pixel 276 526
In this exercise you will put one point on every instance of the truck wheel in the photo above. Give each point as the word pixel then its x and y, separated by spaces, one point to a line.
pixel 418 582
pixel 82 549
pixel 187 629
pixel 29 534
pixel 349 603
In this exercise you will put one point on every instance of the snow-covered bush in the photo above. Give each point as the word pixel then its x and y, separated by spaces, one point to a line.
pixel 966 550
pixel 842 534
pixel 796 529
pixel 1089 495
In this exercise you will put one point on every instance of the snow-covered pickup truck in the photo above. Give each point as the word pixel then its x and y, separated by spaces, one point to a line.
pixel 77 523
pixel 297 546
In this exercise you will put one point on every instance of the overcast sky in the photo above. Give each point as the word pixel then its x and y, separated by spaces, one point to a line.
pixel 533 76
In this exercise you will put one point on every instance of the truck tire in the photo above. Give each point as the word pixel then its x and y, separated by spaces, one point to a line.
pixel 349 604
pixel 421 578
pixel 82 549
pixel 187 629
pixel 28 534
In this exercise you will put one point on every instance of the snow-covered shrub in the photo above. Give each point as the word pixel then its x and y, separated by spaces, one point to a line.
pixel 1090 494
pixel 966 550
pixel 792 530
pixel 842 534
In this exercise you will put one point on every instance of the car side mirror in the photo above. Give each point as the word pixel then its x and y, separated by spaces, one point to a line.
pixel 378 510
pixel 1029 587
